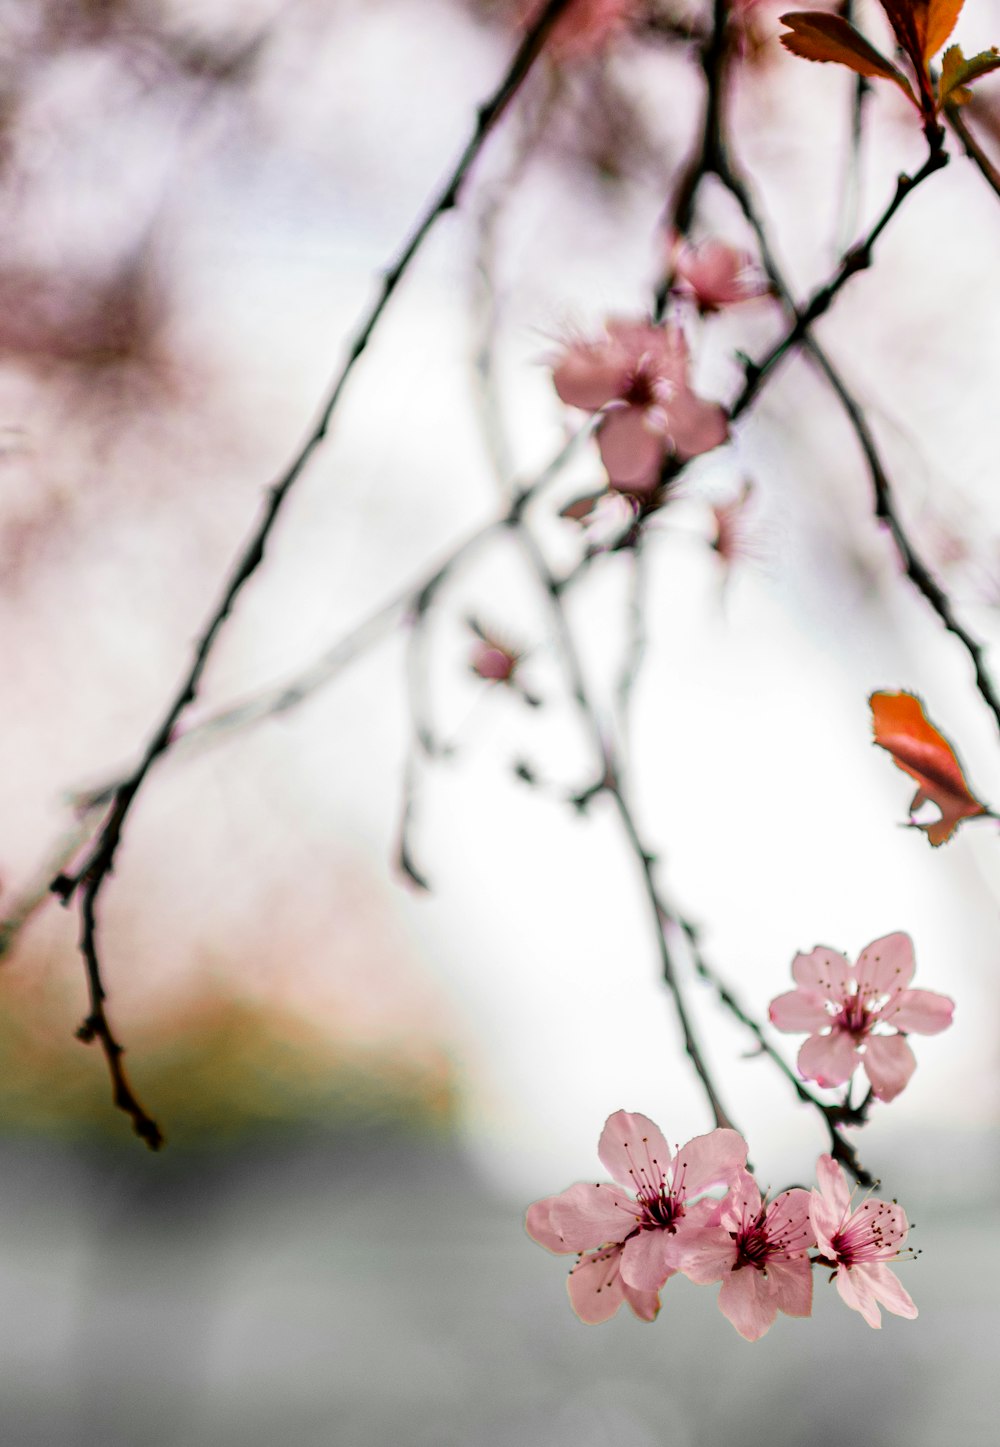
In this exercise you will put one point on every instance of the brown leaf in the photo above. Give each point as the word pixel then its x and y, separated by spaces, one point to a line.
pixel 902 728
pixel 815 35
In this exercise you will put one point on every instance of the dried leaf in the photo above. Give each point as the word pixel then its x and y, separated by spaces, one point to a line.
pixel 957 73
pixel 815 35
pixel 902 728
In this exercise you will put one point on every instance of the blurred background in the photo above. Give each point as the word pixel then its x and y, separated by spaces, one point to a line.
pixel 362 1084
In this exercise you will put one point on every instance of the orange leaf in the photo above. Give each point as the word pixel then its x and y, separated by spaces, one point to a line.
pixel 922 26
pixel 815 35
pixel 940 22
pixel 917 748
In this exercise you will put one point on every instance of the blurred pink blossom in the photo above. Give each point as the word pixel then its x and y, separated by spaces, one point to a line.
pixel 715 275
pixel 730 541
pixel 637 374
pixel 842 1005
pixel 585 26
pixel 760 1253
pixel 632 1239
pixel 859 1243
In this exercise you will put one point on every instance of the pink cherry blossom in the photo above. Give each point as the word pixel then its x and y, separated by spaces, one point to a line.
pixel 637 374
pixel 760 1253
pixel 585 26
pixel 844 1006
pixel 715 275
pixel 596 1288
pixel 730 540
pixel 859 1243
pixel 627 1242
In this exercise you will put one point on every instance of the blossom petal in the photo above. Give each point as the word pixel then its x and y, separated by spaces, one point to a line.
pixel 634 1150
pixel 645 1304
pixel 587 1216
pixel 874 1232
pixel 707 1161
pixel 695 426
pixel 595 1287
pixel 538 1225
pixel 645 1260
pixel 885 966
pixel 788 1225
pixel 828 1059
pixel 743 1200
pixel 663 350
pixel 705 1255
pixel 632 450
pixel 924 1012
pixel 855 1292
pixel 719 275
pixel 887 1288
pixel 591 374
pixel 834 1191
pixel 889 1062
pixel 750 1302
pixel 825 971
pixel 799 1010
pixel 826 1221
pixel 793 1285
pixel 706 1212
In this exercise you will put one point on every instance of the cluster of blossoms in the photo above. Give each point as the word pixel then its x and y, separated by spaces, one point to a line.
pixel 636 376
pixel 654 1220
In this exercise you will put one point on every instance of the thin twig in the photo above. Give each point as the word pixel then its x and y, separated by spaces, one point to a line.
pixel 611 782
pixel 858 259
pixel 89 879
pixel 635 644
pixel 885 507
pixel 972 148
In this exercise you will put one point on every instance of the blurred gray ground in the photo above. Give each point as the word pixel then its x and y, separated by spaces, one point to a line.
pixel 369 1291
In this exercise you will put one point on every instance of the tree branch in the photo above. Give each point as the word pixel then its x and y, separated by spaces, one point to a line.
pixel 99 863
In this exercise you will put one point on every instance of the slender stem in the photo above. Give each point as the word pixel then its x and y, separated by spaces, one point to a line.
pixel 99 863
pixel 885 507
pixel 975 152
pixel 611 783
pixel 858 259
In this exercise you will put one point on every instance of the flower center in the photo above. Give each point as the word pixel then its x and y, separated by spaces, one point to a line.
pixel 660 1210
pixel 641 388
pixel 855 1018
pixel 753 1245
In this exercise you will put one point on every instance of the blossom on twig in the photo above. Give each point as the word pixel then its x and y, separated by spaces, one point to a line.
pixel 715 275
pixel 843 1005
pixel 857 1244
pixel 637 375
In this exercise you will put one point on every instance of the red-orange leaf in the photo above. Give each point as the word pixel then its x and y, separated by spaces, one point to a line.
pixel 939 23
pixel 922 26
pixel 902 727
pixel 815 35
